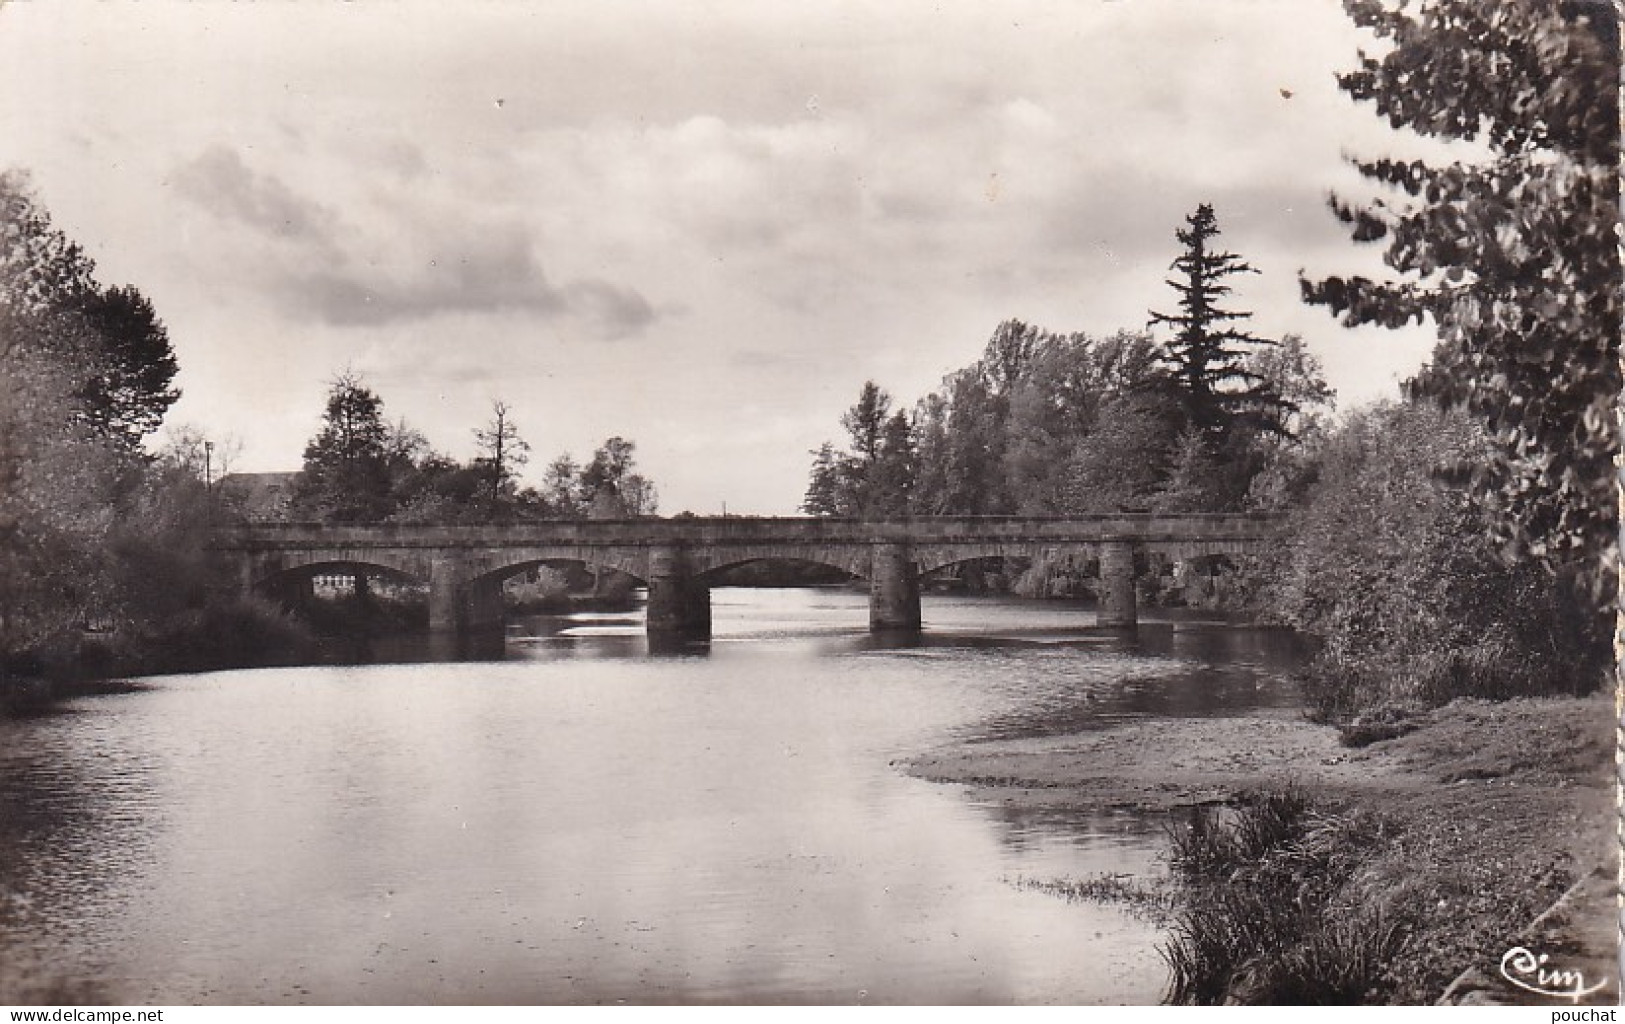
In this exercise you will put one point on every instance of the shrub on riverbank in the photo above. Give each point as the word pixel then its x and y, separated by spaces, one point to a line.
pixel 1360 693
pixel 1267 909
pixel 221 634
pixel 1389 565
pixel 246 632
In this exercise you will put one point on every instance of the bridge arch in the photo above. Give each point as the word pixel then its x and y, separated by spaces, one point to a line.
pixel 354 603
pixel 269 574
pixel 939 566
pixel 934 557
pixel 853 559
pixel 512 563
pixel 973 572
pixel 472 595
pixel 716 568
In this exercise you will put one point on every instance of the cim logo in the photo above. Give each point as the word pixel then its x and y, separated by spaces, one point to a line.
pixel 1527 970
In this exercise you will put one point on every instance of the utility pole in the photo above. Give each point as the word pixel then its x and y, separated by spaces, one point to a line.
pixel 208 481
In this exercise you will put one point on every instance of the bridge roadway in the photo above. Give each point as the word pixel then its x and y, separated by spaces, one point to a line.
pixel 677 558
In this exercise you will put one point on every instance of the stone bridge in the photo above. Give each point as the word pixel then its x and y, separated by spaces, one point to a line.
pixel 678 559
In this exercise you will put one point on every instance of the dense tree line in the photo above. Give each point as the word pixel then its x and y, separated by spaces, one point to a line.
pixel 1048 424
pixel 361 468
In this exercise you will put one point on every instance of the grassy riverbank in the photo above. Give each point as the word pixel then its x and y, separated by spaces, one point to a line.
pixel 1470 827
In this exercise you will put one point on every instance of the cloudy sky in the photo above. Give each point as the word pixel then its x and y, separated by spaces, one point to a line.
pixel 699 225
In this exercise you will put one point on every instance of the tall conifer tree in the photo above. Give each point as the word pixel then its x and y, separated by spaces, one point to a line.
pixel 1205 358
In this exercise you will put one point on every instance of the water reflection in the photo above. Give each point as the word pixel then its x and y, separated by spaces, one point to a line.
pixel 559 817
pixel 1131 839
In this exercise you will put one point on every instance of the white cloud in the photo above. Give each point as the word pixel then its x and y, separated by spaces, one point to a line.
pixel 400 264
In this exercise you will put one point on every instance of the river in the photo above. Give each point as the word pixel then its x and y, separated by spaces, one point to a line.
pixel 580 821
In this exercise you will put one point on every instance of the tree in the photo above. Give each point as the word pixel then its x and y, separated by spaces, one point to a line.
pixel 611 485
pixel 980 398
pixel 1296 375
pixel 56 479
pixel 875 476
pixel 931 482
pixel 561 489
pixel 41 269
pixel 1123 459
pixel 865 422
pixel 1202 477
pixel 1205 357
pixel 1001 435
pixel 610 464
pixel 1010 353
pixel 1058 401
pixel 57 476
pixel 891 481
pixel 92 531
pixel 502 449
pixel 639 497
pixel 119 351
pixel 1512 254
pixel 346 475
pixel 976 441
pixel 825 487
pixel 125 399
pixel 1282 468
pixel 187 448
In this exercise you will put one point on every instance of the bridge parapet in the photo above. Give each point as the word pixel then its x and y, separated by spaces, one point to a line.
pixel 699 532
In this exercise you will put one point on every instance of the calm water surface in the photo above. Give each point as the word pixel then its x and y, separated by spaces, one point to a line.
pixel 582 822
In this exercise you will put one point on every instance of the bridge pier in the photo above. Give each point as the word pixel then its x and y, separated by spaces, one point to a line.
pixel 482 604
pixel 445 601
pixel 1117 610
pixel 679 606
pixel 894 589
pixel 461 605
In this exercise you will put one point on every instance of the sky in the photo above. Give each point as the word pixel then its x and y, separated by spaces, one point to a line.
pixel 699 225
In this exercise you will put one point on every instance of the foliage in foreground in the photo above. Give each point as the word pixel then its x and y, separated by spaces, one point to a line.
pixel 1265 910
pixel 1510 249
pixel 93 531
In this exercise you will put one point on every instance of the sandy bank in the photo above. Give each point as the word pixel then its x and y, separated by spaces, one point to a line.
pixel 1497 810
pixel 1161 763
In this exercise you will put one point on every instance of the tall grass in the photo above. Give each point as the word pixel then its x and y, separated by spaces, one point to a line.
pixel 1340 688
pixel 1264 911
